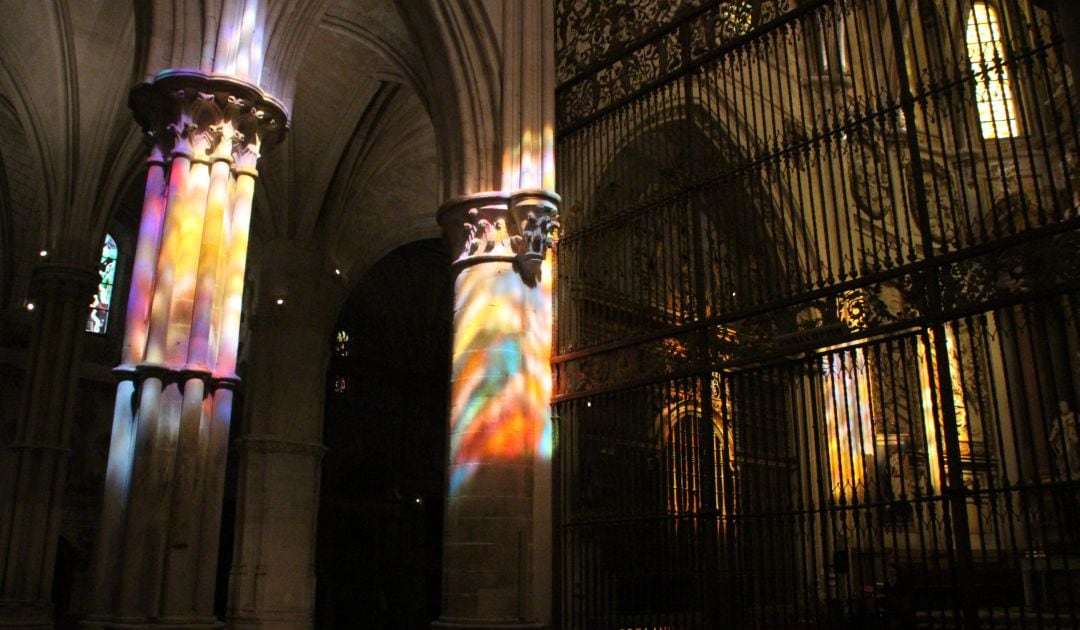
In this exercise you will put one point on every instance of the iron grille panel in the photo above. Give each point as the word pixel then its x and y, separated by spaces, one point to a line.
pixel 817 359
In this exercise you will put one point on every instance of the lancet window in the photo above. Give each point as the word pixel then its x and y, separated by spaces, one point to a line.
pixel 97 320
pixel 993 92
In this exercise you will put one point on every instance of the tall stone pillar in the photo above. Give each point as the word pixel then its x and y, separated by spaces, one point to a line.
pixel 272 579
pixel 33 472
pixel 158 547
pixel 496 532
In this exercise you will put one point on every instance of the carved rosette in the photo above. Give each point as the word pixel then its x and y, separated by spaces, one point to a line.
pixel 489 227
pixel 208 118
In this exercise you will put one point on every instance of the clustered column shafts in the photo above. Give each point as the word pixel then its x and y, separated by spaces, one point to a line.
pixel 157 553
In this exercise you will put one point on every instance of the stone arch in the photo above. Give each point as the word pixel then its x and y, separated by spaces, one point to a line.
pixel 749 229
pixel 382 475
pixel 458 43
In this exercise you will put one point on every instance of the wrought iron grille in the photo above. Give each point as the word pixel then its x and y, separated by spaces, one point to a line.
pixel 817 354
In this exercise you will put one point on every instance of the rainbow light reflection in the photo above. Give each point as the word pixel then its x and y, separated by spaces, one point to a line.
pixel 501 374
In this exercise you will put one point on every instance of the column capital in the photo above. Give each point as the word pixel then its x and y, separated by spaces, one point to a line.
pixel 70 282
pixel 497 226
pixel 535 214
pixel 475 228
pixel 208 118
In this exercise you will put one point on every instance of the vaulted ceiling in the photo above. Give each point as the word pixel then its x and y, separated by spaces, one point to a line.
pixel 355 178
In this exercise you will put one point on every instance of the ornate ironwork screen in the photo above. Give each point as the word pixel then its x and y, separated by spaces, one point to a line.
pixel 817 349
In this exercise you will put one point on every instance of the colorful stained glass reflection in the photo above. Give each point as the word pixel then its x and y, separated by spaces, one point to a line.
pixel 98 319
pixel 501 376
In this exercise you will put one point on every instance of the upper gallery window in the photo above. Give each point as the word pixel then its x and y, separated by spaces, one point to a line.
pixel 993 94
pixel 97 321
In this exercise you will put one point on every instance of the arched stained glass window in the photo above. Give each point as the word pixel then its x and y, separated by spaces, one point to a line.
pixel 993 94
pixel 98 319
pixel 341 344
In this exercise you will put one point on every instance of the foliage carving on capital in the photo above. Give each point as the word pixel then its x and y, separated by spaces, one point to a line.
pixel 208 118
pixel 535 215
pixel 518 228
pixel 476 228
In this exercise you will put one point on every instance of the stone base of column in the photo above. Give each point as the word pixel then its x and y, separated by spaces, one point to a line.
pixel 113 623
pixel 19 615
pixel 464 624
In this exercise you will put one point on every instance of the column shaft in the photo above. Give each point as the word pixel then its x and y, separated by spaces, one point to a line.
pixel 496 554
pixel 272 581
pixel 160 532
pixel 33 491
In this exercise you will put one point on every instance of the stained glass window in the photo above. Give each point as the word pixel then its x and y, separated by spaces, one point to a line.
pixel 993 94
pixel 341 344
pixel 341 385
pixel 98 319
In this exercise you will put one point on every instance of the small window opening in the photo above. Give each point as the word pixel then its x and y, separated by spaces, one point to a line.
pixel 97 321
pixel 993 93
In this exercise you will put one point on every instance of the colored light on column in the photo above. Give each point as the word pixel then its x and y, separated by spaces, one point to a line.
pixel 501 375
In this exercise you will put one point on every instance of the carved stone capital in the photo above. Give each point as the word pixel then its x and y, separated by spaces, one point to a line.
pixel 486 227
pixel 535 215
pixel 476 230
pixel 208 117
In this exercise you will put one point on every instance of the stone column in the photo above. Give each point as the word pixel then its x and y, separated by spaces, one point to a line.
pixel 34 471
pixel 496 532
pixel 272 579
pixel 157 552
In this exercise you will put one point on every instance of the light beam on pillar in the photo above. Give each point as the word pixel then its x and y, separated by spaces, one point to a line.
pixel 500 419
pixel 165 477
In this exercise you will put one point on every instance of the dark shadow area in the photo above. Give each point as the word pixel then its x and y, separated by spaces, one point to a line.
pixel 379 545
